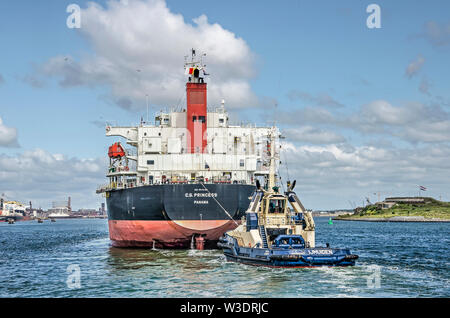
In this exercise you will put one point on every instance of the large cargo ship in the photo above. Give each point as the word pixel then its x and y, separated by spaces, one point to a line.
pixel 12 210
pixel 188 177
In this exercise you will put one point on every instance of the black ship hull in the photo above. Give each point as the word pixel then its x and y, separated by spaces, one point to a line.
pixel 175 215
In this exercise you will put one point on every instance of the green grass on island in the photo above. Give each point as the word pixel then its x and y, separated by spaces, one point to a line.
pixel 431 208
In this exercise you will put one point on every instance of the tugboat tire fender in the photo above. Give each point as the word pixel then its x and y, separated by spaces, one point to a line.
pixel 286 257
pixel 224 245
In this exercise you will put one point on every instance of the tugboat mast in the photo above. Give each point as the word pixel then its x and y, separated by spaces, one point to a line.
pixel 272 160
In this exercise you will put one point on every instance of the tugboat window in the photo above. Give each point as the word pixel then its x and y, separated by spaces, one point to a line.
pixel 276 206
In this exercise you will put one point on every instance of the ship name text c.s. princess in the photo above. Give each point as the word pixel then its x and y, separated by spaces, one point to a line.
pixel 200 195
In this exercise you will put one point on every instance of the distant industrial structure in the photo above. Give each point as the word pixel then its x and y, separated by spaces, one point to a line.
pixel 60 209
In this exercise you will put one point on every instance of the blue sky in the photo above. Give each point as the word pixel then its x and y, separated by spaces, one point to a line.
pixel 377 98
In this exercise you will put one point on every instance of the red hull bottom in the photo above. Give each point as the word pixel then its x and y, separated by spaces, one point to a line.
pixel 167 234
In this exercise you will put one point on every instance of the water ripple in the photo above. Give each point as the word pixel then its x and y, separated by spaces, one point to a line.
pixel 410 259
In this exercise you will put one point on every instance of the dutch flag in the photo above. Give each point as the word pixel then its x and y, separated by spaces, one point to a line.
pixel 422 188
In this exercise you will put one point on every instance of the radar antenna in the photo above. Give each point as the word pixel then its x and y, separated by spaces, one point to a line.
pixel 194 66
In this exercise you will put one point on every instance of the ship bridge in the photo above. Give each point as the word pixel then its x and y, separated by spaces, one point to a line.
pixel 233 154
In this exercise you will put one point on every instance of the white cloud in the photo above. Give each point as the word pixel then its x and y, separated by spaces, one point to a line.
pixel 321 99
pixel 437 35
pixel 414 66
pixel 33 80
pixel 424 86
pixel 42 177
pixel 147 36
pixel 330 176
pixel 8 136
pixel 375 115
pixel 308 114
pixel 429 131
pixel 313 135
pixel 413 122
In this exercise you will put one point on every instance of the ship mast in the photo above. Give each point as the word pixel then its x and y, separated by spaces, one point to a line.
pixel 195 65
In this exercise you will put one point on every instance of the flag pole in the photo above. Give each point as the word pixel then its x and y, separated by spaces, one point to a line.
pixel 146 95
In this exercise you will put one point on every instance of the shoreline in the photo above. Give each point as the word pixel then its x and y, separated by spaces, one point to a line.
pixel 403 219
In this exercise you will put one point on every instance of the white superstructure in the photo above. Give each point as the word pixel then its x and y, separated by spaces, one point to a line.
pixel 60 209
pixel 59 212
pixel 234 154
pixel 13 208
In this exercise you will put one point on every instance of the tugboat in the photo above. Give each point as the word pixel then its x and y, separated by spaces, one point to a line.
pixel 277 231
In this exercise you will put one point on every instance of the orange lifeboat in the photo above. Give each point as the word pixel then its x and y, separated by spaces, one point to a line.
pixel 116 151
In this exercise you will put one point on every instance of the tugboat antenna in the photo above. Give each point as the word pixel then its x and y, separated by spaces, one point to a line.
pixel 272 160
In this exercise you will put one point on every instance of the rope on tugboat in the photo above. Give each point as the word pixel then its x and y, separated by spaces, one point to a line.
pixel 231 218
